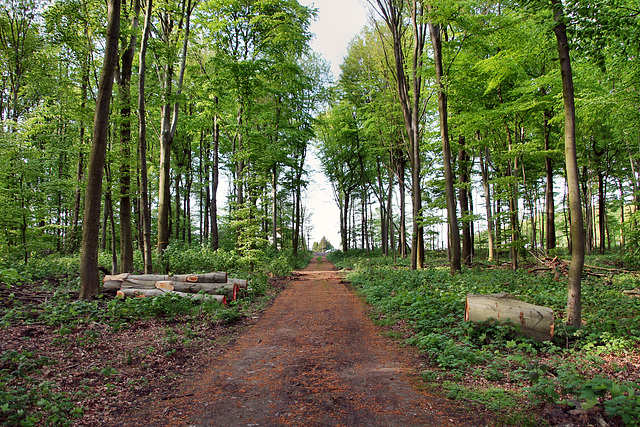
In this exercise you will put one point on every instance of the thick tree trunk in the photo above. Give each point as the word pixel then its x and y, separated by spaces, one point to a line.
pixel 574 298
pixel 534 320
pixel 89 281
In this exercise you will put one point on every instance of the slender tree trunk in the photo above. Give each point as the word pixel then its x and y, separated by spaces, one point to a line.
pixel 142 148
pixel 487 198
pixel 168 131
pixel 298 202
pixel 89 280
pixel 550 204
pixel 622 207
pixel 463 194
pixel 126 234
pixel 389 216
pixel 409 96
pixel 601 210
pixel 274 206
pixel 574 298
pixel 452 216
pixel 402 238
pixel 214 183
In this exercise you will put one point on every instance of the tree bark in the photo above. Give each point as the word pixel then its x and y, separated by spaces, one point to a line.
pixel 487 200
pixel 142 132
pixel 534 321
pixel 393 14
pixel 550 203
pixel 126 234
pixel 463 194
pixel 214 183
pixel 89 281
pixel 168 131
pixel 452 216
pixel 574 298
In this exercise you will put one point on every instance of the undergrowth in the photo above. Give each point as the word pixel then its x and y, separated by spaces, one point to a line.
pixel 26 401
pixel 574 369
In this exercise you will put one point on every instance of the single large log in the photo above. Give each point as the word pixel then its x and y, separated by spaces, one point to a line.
pixel 143 293
pixel 228 289
pixel 534 320
pixel 242 283
pixel 213 277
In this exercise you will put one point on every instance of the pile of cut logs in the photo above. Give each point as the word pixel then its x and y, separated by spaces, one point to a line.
pixel 215 285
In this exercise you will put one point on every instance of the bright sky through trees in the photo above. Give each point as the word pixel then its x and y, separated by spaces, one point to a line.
pixel 337 23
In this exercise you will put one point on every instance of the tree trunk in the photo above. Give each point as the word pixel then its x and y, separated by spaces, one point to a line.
pixel 487 200
pixel 274 206
pixel 463 161
pixel 601 210
pixel 145 208
pixel 167 134
pixel 574 298
pixel 402 238
pixel 550 204
pixel 389 217
pixel 214 184
pixel 452 216
pixel 126 235
pixel 89 282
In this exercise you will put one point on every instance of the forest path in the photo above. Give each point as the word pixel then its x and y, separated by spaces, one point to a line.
pixel 314 358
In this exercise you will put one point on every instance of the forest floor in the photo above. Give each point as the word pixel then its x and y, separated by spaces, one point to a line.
pixel 313 358
pixel 307 354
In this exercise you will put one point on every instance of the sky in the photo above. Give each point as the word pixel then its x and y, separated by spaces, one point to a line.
pixel 338 22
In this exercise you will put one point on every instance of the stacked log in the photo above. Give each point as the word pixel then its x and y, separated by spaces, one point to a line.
pixel 534 320
pixel 215 285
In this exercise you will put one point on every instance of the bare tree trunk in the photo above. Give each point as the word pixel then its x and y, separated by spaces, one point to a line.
pixel 142 132
pixel 392 13
pixel 402 238
pixel 126 234
pixel 574 298
pixel 89 281
pixel 621 214
pixel 168 131
pixel 214 184
pixel 463 194
pixel 550 204
pixel 601 210
pixel 274 206
pixel 452 216
pixel 487 198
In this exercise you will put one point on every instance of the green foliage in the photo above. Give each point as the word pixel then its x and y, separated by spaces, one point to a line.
pixel 631 254
pixel 568 386
pixel 27 402
pixel 432 302
pixel 200 259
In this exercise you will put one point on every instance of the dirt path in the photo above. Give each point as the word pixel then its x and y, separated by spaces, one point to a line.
pixel 313 359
